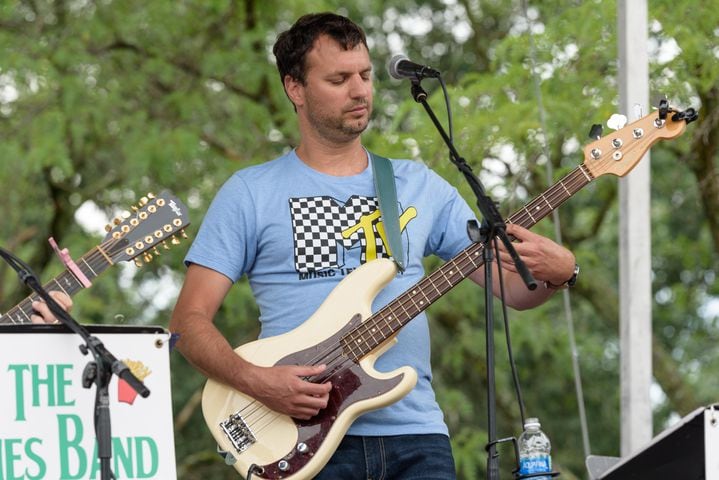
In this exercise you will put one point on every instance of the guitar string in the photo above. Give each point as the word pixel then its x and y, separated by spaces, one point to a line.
pixel 575 180
pixel 339 361
pixel 553 197
pixel 473 262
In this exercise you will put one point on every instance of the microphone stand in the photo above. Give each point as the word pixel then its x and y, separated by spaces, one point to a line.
pixel 492 226
pixel 98 371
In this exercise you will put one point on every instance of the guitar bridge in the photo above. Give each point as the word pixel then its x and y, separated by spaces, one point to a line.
pixel 238 432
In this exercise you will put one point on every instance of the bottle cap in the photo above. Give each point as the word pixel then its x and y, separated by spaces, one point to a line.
pixel 532 422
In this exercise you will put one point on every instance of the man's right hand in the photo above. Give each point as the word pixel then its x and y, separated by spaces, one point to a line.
pixel 284 390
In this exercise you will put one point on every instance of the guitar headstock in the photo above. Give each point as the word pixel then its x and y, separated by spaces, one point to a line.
pixel 156 220
pixel 620 151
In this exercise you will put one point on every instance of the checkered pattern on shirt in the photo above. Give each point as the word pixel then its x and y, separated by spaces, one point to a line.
pixel 317 225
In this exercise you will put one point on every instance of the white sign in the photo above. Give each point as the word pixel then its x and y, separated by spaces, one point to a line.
pixel 47 417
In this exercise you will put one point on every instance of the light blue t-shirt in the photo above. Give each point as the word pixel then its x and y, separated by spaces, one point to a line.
pixel 296 233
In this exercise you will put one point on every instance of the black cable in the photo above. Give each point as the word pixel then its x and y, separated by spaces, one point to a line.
pixel 450 128
pixel 505 316
pixel 254 468
pixel 494 244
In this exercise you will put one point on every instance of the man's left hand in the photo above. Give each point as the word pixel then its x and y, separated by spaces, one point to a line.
pixel 43 313
pixel 546 260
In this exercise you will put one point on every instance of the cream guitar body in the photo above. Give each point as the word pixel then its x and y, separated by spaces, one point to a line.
pixel 283 447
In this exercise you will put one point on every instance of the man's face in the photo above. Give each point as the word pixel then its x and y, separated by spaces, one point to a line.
pixel 336 98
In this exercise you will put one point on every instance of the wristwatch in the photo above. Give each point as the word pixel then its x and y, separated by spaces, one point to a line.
pixel 570 282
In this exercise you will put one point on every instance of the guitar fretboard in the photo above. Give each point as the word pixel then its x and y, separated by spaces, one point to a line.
pixel 390 319
pixel 91 264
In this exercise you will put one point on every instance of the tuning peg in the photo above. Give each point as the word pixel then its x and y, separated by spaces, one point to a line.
pixel 108 228
pixel 134 208
pixel 595 132
pixel 138 262
pixel 147 257
pixel 143 201
pixel 183 234
pixel 164 245
pixel 125 215
pixel 617 121
pixel 175 241
pixel 150 195
pixel 638 111
pixel 663 108
pixel 117 221
pixel 156 251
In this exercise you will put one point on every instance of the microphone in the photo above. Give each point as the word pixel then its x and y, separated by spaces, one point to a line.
pixel 402 67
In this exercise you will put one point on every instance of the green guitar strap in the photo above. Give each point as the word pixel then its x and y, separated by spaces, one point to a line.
pixel 387 195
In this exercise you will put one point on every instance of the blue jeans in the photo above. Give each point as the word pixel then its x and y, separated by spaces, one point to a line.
pixel 400 457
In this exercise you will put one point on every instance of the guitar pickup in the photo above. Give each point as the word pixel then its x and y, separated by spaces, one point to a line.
pixel 238 432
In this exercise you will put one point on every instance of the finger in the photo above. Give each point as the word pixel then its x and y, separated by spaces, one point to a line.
pixel 43 314
pixel 308 370
pixel 311 405
pixel 312 401
pixel 508 264
pixel 62 299
pixel 316 389
pixel 41 308
pixel 519 232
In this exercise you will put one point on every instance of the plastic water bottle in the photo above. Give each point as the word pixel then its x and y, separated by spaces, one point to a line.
pixel 534 451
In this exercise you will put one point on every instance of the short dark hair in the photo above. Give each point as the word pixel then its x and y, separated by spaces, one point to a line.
pixel 292 45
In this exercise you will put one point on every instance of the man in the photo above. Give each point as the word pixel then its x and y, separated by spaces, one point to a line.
pixel 292 225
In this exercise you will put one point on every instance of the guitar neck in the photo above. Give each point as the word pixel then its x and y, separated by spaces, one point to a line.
pixel 91 264
pixel 390 319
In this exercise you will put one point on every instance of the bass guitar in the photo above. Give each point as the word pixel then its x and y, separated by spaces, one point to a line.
pixel 158 219
pixel 345 335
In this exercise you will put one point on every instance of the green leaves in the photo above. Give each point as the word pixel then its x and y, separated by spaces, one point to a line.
pixel 105 101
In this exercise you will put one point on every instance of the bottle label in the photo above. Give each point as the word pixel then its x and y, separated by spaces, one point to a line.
pixel 535 464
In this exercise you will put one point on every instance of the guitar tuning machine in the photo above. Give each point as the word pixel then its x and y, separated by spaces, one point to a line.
pixel 595 133
pixel 663 108
pixel 617 121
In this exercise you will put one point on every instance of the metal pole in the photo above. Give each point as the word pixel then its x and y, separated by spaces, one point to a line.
pixel 635 298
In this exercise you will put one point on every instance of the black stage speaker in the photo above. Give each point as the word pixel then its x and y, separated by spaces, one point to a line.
pixel 687 451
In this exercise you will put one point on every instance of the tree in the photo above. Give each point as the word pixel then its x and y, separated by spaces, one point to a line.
pixel 101 102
